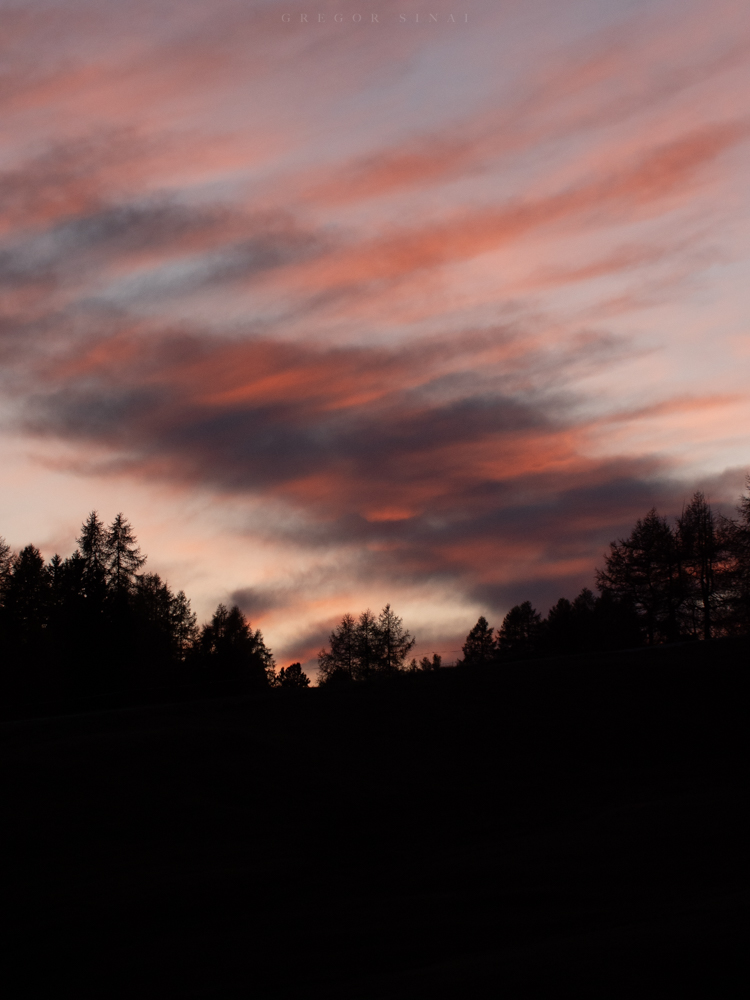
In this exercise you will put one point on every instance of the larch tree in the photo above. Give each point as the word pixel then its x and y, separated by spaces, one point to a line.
pixel 645 571
pixel 393 641
pixel 184 624
pixel 342 658
pixel 233 652
pixel 92 543
pixel 701 557
pixel 123 557
pixel 520 633
pixel 480 646
pixel 367 646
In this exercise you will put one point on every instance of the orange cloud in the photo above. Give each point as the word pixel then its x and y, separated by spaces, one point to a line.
pixel 652 182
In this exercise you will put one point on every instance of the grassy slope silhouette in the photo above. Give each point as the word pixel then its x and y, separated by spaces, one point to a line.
pixel 578 823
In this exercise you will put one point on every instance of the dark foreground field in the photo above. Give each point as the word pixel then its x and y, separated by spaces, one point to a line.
pixel 577 826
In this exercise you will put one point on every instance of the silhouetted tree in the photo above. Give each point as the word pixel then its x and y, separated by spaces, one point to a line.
pixel 480 647
pixel 426 664
pixel 69 578
pixel 184 625
pixel 739 532
pixel 123 558
pixel 292 677
pixel 644 570
pixel 589 623
pixel 149 611
pixel 732 606
pixel 27 596
pixel 234 656
pixel 24 620
pixel 520 634
pixel 393 642
pixel 365 647
pixel 701 552
pixel 341 660
pixel 93 548
pixel 563 632
pixel 92 624
pixel 367 643
pixel 5 564
pixel 614 624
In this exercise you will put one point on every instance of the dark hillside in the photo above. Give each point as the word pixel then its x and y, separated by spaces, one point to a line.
pixel 578 823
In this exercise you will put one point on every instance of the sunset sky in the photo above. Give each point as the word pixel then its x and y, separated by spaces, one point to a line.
pixel 346 312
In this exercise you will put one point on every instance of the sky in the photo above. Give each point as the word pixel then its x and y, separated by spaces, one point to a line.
pixel 362 301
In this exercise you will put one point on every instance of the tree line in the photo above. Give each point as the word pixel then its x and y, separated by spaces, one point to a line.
pixel 663 583
pixel 97 623
pixel 369 646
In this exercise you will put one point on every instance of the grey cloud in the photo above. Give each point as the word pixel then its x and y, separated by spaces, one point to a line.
pixel 263 445
pixel 200 246
pixel 257 601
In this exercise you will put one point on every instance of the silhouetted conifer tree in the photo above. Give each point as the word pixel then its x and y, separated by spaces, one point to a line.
pixel 367 643
pixel 123 558
pixel 24 625
pixel 393 642
pixel 645 571
pixel 585 621
pixel 72 578
pixel 701 552
pixel 93 549
pixel 27 596
pixel 563 631
pixel 292 677
pixel 365 647
pixel 480 647
pixel 520 634
pixel 615 624
pixel 341 660
pixel 590 623
pixel 426 664
pixel 184 626
pixel 149 610
pixel 235 657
